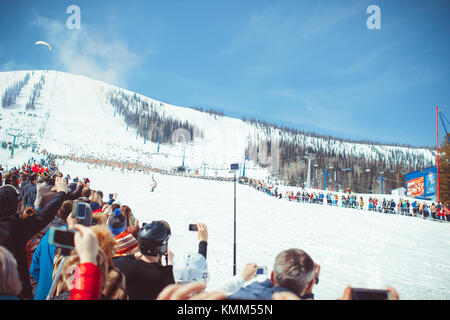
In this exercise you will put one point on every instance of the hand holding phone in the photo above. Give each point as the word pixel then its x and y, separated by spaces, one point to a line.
pixel 81 210
pixel 86 244
pixel 261 270
pixel 370 294
pixel 193 227
pixel 60 237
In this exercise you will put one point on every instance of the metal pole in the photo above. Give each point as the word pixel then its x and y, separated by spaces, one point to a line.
pixel 55 281
pixel 234 249
pixel 437 155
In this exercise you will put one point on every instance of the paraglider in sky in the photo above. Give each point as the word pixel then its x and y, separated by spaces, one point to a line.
pixel 44 43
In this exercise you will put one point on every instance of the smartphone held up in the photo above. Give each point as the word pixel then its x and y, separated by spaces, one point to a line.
pixel 370 294
pixel 61 237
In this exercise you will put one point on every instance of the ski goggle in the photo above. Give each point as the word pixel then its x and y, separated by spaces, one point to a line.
pixel 12 187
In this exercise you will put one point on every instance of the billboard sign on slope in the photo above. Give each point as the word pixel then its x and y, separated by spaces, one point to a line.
pixel 416 187
pixel 422 183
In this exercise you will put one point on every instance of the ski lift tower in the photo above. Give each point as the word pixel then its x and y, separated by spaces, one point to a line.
pixel 15 133
pixel 381 178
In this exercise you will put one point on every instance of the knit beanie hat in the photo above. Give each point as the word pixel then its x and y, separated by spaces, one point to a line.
pixel 125 242
pixel 117 222
pixel 9 200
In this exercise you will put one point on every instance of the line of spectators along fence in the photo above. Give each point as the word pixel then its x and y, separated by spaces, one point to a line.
pixel 402 207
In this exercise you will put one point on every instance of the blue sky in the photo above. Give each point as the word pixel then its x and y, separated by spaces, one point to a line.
pixel 312 65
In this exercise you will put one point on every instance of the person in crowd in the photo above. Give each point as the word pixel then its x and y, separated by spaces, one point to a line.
pixel 96 201
pixel 86 191
pixel 293 271
pixel 10 284
pixel 87 280
pixel 117 222
pixel 113 286
pixel 145 273
pixel 32 244
pixel 24 184
pixel 41 268
pixel 11 178
pixel 126 244
pixel 30 192
pixel 447 212
pixel 15 232
pixel 195 267
pixel 132 222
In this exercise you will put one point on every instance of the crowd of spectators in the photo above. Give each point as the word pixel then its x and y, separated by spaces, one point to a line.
pixel 113 256
pixel 416 208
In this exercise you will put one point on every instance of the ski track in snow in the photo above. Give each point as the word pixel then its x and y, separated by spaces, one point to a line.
pixel 360 248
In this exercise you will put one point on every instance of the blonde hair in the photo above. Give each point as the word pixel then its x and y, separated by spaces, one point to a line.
pixel 104 261
pixel 95 197
pixel 126 211
pixel 10 284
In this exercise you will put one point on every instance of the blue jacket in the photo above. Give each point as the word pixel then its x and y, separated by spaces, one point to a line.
pixel 41 268
pixel 260 291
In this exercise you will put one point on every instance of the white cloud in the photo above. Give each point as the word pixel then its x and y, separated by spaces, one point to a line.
pixel 89 52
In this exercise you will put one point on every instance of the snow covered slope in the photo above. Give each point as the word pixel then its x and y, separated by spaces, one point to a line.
pixel 73 116
pixel 360 248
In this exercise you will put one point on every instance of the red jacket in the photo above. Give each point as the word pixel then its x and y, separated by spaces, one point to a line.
pixel 87 283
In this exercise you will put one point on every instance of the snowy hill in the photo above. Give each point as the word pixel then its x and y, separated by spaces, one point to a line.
pixel 73 114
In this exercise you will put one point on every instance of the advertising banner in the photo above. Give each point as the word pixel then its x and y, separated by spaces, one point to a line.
pixel 430 184
pixel 416 187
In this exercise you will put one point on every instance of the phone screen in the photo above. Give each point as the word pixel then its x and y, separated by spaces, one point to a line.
pixel 64 238
pixel 261 270
pixel 193 227
pixel 81 210
pixel 369 294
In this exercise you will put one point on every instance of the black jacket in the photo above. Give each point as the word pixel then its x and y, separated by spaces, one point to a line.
pixel 144 280
pixel 15 233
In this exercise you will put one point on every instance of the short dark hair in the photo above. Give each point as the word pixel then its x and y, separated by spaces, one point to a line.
pixel 86 192
pixel 293 270
pixel 65 209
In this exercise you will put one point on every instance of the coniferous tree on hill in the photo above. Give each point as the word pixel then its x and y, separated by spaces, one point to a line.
pixel 444 170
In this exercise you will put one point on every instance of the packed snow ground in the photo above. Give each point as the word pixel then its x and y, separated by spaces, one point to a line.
pixel 360 248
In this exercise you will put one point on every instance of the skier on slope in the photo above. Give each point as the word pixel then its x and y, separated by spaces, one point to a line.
pixel 154 183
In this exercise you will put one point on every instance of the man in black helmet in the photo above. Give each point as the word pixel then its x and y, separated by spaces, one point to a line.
pixel 146 273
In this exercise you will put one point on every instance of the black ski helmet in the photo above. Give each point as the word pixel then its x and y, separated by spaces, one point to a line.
pixel 153 238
